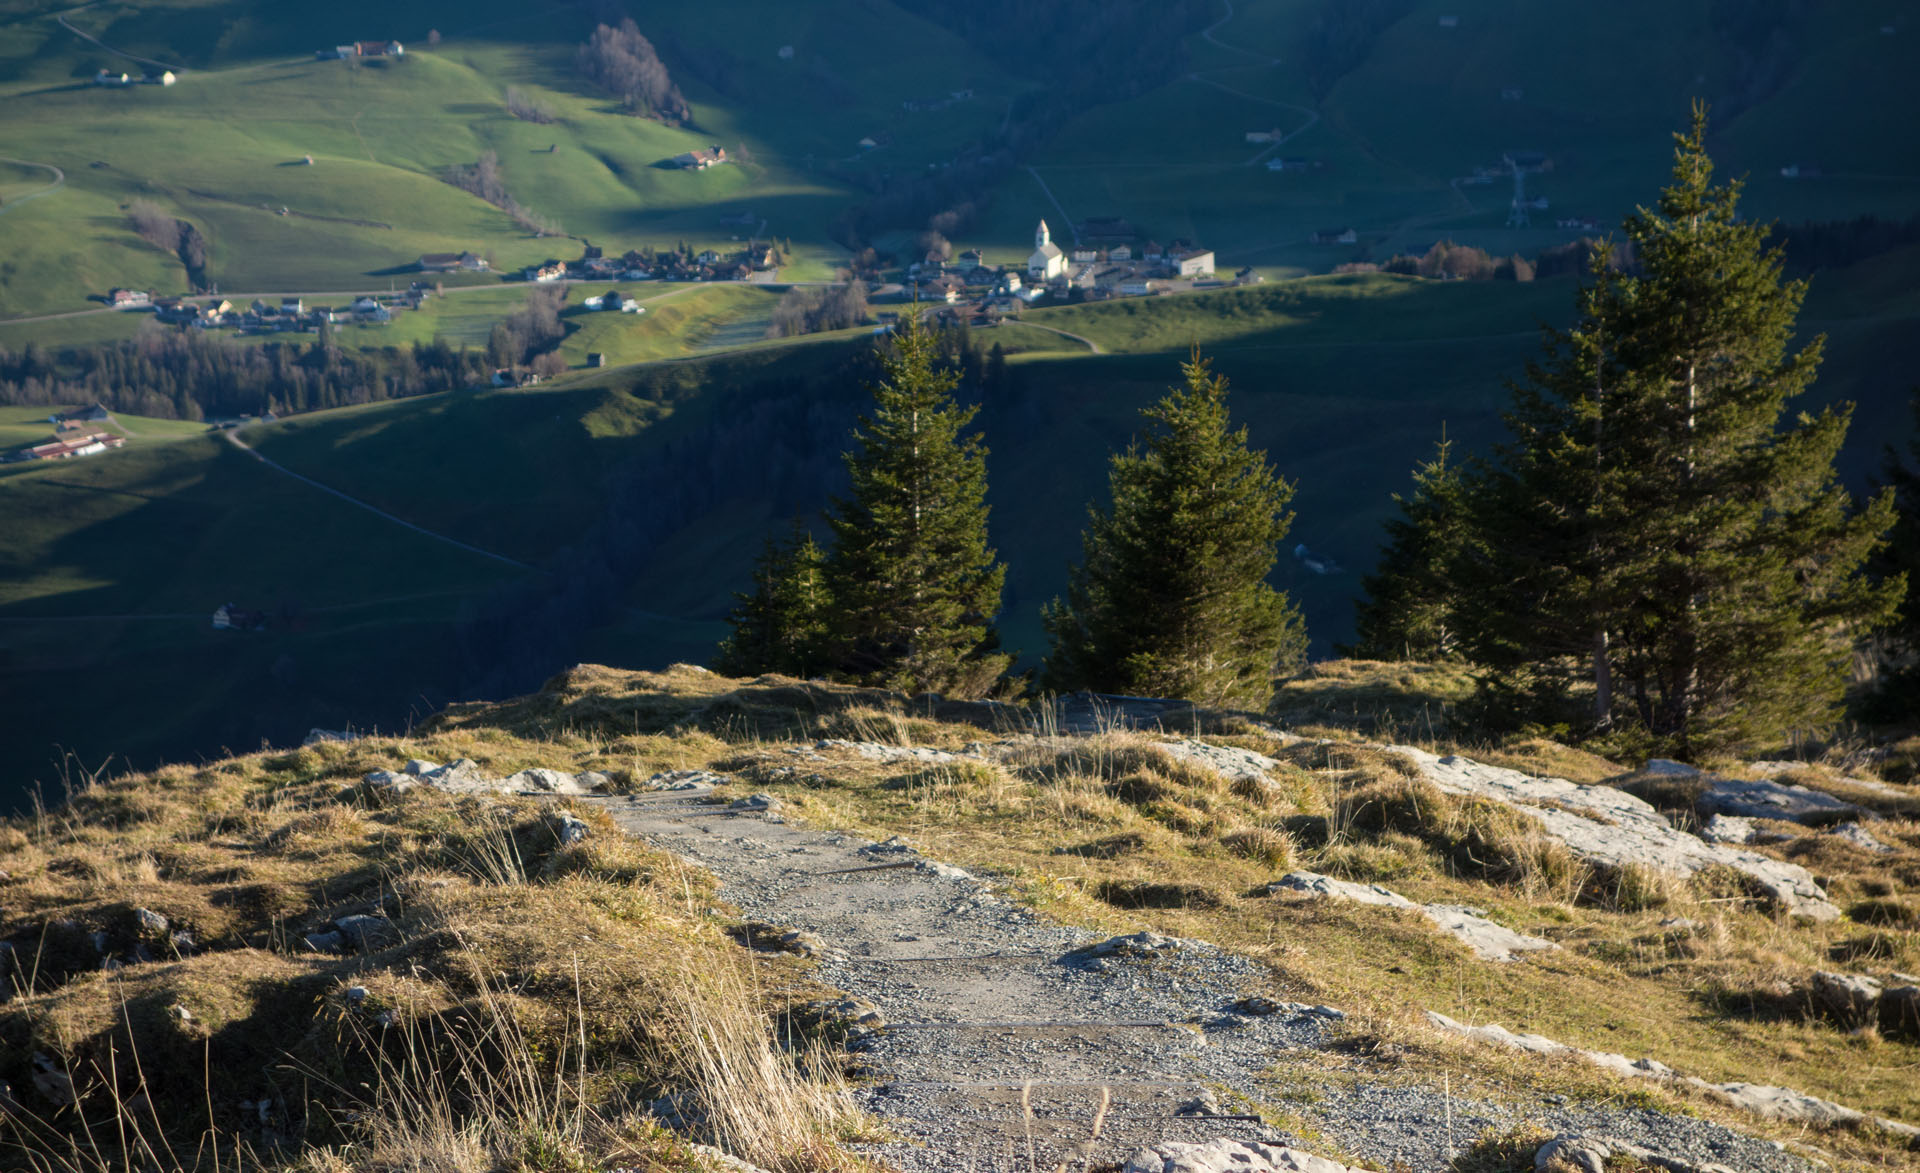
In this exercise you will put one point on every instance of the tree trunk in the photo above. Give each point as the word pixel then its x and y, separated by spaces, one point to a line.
pixel 1602 682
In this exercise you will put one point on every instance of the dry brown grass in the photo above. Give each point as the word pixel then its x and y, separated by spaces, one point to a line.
pixel 1109 832
pixel 529 1002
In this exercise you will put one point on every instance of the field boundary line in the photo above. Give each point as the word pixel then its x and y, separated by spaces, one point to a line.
pixel 233 437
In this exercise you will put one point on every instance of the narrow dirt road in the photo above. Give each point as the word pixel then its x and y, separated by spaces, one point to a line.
pixel 996 1034
pixel 1089 343
pixel 59 181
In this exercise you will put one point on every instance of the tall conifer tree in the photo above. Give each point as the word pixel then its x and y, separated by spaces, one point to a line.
pixel 1407 611
pixel 1654 527
pixel 780 625
pixel 1171 598
pixel 915 585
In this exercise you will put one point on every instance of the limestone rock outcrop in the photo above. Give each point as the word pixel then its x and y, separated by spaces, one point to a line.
pixel 1488 940
pixel 1611 827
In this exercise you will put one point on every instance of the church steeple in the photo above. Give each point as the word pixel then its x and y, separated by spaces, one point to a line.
pixel 1041 237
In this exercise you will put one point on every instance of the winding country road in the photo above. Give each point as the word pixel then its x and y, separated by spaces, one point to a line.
pixel 59 181
pixel 1089 343
pixel 233 437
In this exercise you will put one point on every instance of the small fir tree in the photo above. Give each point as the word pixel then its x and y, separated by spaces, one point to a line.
pixel 1171 598
pixel 1406 612
pixel 780 625
pixel 1654 528
pixel 915 586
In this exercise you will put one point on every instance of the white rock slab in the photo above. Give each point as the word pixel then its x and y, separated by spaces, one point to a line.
pixel 1777 1103
pixel 1230 762
pixel 1227 1156
pixel 1489 940
pixel 1611 827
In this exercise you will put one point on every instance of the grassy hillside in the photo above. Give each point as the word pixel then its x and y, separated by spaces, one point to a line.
pixel 1110 832
pixel 112 568
pixel 681 468
pixel 1420 106
pixel 225 148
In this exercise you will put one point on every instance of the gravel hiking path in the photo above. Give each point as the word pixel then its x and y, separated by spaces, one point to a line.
pixel 978 998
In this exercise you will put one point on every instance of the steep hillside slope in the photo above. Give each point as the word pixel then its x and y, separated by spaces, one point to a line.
pixel 1182 916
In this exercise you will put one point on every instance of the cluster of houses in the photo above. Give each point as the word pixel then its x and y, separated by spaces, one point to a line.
pixel 73 436
pixel 633 265
pixel 361 49
pixel 1107 264
pixel 108 78
pixel 701 159
pixel 289 314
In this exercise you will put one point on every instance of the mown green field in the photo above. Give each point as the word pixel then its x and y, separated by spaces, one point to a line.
pixel 226 146
pixel 31 425
pixel 1422 107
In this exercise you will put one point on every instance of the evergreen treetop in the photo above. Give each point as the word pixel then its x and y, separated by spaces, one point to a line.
pixel 781 624
pixel 1171 597
pixel 915 586
pixel 1653 520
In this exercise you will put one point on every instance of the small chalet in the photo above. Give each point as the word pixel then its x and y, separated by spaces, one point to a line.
pixel 1336 236
pixel 452 263
pixel 379 49
pixel 91 414
pixel 700 160
pixel 129 299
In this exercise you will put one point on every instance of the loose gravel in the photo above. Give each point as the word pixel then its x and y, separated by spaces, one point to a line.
pixel 998 1032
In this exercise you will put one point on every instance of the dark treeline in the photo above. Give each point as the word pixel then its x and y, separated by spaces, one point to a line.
pixel 777 447
pixel 618 59
pixel 1463 262
pixel 190 376
pixel 482 178
pixel 160 228
pixel 812 309
pixel 529 331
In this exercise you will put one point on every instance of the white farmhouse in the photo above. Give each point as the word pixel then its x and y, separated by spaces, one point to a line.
pixel 1047 261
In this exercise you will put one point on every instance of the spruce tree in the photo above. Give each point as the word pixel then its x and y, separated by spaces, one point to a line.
pixel 1900 562
pixel 1171 597
pixel 780 625
pixel 1407 610
pixel 1655 529
pixel 915 586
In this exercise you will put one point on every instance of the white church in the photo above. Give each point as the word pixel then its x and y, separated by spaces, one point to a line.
pixel 1047 261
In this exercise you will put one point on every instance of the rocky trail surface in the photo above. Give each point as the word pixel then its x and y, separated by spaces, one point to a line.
pixel 990 1039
